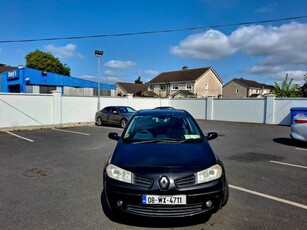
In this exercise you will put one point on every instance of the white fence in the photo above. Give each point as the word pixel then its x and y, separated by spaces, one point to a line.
pixel 18 110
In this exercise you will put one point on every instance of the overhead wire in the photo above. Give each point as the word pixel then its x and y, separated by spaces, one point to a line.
pixel 154 32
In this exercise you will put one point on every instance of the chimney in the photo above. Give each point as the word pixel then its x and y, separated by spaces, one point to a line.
pixel 185 67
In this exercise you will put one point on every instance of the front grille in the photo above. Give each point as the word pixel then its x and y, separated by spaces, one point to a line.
pixel 185 181
pixel 142 181
pixel 166 211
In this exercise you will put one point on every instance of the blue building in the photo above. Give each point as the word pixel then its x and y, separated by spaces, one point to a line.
pixel 26 80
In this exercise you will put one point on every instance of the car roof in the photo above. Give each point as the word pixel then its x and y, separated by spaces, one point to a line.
pixel 155 112
pixel 117 106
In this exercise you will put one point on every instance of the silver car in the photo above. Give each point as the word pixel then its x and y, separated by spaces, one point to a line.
pixel 114 115
pixel 299 128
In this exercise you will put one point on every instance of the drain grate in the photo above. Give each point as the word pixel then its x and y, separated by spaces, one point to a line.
pixel 39 172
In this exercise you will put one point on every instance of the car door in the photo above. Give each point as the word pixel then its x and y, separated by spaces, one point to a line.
pixel 105 113
pixel 114 116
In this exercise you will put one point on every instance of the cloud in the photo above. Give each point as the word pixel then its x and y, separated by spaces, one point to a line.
pixel 151 73
pixel 110 73
pixel 63 51
pixel 116 64
pixel 296 75
pixel 209 45
pixel 103 79
pixel 277 48
pixel 110 80
pixel 266 9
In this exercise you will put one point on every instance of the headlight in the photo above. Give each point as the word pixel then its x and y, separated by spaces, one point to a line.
pixel 209 174
pixel 118 173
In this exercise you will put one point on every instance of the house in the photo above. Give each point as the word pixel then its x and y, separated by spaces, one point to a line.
pixel 124 88
pixel 242 88
pixel 199 82
pixel 5 68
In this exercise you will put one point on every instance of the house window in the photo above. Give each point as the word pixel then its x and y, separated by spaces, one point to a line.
pixel 151 87
pixel 206 86
pixel 175 86
pixel 237 91
pixel 163 87
pixel 189 86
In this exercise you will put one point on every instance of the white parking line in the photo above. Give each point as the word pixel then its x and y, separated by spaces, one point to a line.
pixel 301 149
pixel 24 138
pixel 282 163
pixel 269 197
pixel 68 131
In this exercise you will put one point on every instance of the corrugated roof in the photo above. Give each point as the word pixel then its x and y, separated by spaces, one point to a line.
pixel 179 76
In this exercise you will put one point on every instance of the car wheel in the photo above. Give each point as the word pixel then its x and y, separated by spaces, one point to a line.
pixel 123 123
pixel 98 121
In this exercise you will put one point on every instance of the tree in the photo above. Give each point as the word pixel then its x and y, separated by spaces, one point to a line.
pixel 45 61
pixel 138 80
pixel 303 89
pixel 286 89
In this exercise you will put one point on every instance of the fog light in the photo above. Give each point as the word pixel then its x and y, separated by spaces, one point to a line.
pixel 119 203
pixel 209 204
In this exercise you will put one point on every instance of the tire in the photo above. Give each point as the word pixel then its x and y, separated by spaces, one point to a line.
pixel 123 122
pixel 99 121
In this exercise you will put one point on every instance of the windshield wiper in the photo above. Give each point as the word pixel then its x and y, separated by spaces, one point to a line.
pixel 189 140
pixel 138 141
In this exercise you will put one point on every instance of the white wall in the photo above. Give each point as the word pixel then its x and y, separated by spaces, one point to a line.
pixel 25 110
pixel 49 109
pixel 147 103
pixel 282 107
pixel 247 110
pixel 196 107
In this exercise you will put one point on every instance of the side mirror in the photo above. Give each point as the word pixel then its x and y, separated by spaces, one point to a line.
pixel 115 112
pixel 211 136
pixel 113 136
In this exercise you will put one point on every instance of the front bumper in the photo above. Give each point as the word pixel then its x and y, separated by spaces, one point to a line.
pixel 127 198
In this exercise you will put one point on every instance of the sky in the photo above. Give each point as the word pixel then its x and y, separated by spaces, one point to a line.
pixel 263 52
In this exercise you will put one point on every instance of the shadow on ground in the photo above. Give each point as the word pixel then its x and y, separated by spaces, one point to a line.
pixel 290 142
pixel 151 222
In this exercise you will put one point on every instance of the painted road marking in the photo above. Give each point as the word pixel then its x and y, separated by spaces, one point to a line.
pixel 301 149
pixel 21 137
pixel 68 131
pixel 269 197
pixel 282 163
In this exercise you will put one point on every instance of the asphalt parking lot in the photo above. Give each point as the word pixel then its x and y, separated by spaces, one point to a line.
pixel 266 171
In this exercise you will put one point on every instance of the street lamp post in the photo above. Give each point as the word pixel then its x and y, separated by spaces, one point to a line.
pixel 98 54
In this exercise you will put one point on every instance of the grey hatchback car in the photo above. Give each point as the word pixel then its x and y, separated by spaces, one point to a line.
pixel 116 115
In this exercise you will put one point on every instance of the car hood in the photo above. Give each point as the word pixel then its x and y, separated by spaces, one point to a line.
pixel 134 156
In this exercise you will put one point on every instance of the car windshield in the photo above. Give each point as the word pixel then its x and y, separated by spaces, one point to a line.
pixel 162 128
pixel 126 110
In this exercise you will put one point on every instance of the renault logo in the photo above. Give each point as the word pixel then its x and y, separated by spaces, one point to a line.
pixel 164 182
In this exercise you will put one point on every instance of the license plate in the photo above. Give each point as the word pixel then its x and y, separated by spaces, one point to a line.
pixel 169 200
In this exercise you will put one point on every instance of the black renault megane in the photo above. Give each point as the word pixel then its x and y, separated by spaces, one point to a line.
pixel 163 166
